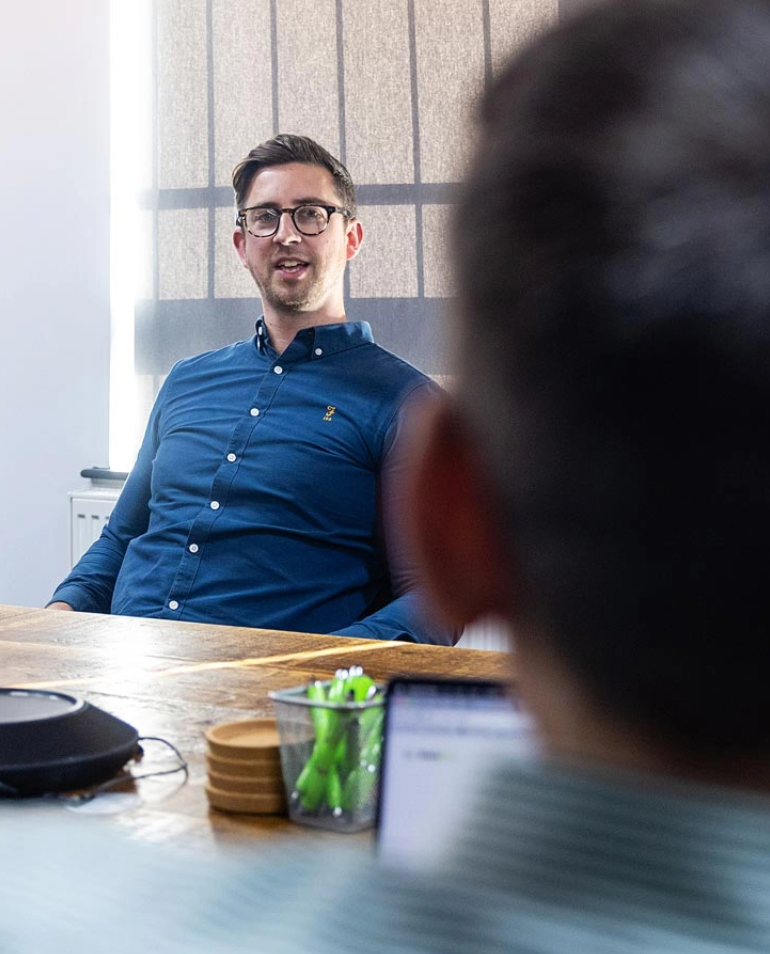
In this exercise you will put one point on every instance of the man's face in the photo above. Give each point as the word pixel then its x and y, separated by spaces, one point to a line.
pixel 298 273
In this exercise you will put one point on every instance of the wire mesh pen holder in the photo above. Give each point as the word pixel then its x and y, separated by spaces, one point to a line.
pixel 330 758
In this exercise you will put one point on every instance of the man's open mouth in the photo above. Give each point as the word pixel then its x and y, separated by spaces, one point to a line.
pixel 291 266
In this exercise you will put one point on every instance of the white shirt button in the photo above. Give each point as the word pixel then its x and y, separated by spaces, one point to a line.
pixel 254 412
pixel 278 369
pixel 214 505
pixel 318 351
pixel 173 605
pixel 232 458
pixel 194 548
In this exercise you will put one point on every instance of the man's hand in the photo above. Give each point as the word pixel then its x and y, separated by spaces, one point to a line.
pixel 60 606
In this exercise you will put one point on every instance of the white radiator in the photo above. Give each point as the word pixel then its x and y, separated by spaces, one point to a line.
pixel 89 511
pixel 490 633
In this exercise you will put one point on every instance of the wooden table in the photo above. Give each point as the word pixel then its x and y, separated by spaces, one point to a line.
pixel 174 680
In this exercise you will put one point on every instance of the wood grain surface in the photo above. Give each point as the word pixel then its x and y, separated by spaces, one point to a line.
pixel 175 680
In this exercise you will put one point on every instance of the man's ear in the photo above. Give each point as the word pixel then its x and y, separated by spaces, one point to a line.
pixel 456 534
pixel 239 241
pixel 354 236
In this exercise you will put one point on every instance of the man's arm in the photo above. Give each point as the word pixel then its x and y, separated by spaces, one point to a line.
pixel 407 616
pixel 89 587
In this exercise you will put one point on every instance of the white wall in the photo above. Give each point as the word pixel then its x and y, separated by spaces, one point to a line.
pixel 54 278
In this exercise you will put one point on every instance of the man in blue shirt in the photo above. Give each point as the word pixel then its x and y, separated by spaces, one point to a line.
pixel 263 492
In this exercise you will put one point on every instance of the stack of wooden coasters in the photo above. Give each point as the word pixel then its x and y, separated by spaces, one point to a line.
pixel 244 767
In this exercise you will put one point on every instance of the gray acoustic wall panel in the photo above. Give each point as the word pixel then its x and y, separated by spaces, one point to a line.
pixel 307 91
pixel 388 85
pixel 182 94
pixel 241 51
pixel 378 102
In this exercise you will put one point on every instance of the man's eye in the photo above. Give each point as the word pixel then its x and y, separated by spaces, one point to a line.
pixel 310 213
pixel 261 217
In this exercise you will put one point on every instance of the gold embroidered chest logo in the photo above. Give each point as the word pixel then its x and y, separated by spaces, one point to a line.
pixel 329 412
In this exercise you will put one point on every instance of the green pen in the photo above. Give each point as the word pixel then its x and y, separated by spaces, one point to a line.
pixel 361 687
pixel 313 781
pixel 320 716
pixel 334 792
pixel 311 786
pixel 359 787
pixel 371 744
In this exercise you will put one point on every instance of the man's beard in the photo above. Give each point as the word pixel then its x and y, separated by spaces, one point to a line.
pixel 290 299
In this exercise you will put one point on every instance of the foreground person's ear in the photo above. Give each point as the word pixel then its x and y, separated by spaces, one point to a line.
pixel 456 534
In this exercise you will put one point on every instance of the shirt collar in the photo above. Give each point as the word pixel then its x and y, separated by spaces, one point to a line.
pixel 318 341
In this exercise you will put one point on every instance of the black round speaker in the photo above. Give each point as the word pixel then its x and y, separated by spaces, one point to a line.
pixel 52 742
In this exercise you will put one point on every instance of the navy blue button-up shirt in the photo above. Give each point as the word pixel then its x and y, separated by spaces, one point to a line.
pixel 259 496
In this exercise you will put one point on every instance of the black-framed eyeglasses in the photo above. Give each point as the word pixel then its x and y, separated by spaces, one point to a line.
pixel 262 221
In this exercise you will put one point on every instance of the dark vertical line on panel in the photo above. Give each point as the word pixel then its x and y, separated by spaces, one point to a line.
pixel 155 146
pixel 341 81
pixel 341 107
pixel 416 146
pixel 211 130
pixel 487 28
pixel 415 90
pixel 274 63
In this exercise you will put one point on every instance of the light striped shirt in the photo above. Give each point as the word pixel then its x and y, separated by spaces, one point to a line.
pixel 552 860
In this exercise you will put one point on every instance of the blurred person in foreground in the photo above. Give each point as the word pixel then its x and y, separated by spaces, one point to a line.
pixel 602 479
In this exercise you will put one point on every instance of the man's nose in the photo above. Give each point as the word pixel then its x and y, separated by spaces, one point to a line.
pixel 287 231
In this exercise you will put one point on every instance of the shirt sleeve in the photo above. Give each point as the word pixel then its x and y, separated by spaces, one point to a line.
pixel 89 586
pixel 408 615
